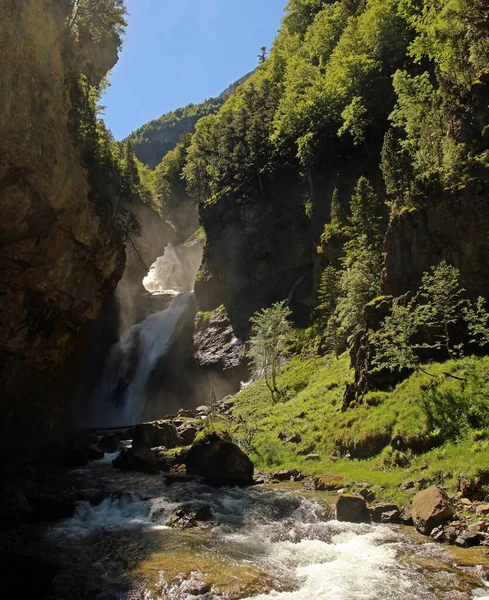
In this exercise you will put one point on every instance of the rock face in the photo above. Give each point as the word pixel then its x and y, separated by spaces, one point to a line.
pixel 452 227
pixel 431 507
pixel 352 508
pixel 256 252
pixel 218 353
pixel 58 258
pixel 219 461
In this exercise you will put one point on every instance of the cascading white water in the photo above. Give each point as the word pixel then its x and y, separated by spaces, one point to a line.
pixel 120 398
pixel 175 271
pixel 285 536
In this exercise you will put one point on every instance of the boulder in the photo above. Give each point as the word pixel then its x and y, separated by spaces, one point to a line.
pixel 219 461
pixel 352 508
pixel 431 507
pixel 156 433
pixel 384 512
pixel 189 516
pixel 406 515
pixel 94 452
pixel 287 475
pixel 187 434
pixel 142 459
pixel 110 443
pixel 329 482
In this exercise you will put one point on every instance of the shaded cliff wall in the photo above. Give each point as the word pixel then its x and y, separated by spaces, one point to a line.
pixel 58 258
pixel 451 226
pixel 255 253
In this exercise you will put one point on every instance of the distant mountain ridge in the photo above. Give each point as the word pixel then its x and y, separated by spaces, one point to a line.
pixel 154 139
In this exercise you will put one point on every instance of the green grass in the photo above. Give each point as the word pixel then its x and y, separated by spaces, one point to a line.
pixel 430 427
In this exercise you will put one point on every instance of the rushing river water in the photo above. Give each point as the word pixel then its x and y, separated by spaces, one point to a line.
pixel 264 542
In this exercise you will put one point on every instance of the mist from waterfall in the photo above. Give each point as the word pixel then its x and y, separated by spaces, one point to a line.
pixel 122 396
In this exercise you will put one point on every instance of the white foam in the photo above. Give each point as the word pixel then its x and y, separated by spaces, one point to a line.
pixel 124 512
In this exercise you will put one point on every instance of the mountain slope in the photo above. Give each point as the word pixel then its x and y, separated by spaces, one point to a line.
pixel 154 139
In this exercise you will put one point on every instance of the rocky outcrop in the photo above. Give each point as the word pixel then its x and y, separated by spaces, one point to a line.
pixel 219 461
pixel 58 257
pixel 218 352
pixel 431 508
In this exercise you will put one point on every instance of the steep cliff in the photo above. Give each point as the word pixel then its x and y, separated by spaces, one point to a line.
pixel 58 256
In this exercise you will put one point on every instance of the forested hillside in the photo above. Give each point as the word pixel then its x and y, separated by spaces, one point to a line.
pixel 154 139
pixel 363 110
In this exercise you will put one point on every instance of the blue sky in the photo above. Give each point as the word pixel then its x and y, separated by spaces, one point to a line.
pixel 182 51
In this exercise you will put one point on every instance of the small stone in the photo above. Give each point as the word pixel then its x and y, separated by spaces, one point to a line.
pixel 481 509
pixel 478 526
pixel 465 502
pixel 438 534
pixel 312 457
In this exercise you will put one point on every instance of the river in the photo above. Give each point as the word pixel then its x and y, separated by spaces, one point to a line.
pixel 264 542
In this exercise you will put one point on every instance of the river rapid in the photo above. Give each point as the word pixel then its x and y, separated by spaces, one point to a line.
pixel 264 542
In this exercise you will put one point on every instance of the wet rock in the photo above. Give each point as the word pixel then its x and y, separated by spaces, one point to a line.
pixel 95 452
pixel 406 515
pixel 110 443
pixel 219 461
pixel 438 534
pixel 352 508
pixel 384 512
pixel 450 535
pixel 468 539
pixel 188 516
pixel 431 507
pixel 142 459
pixel 313 457
pixel 156 433
pixel 126 434
pixel 329 482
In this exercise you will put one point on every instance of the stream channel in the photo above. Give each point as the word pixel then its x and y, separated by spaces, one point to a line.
pixel 266 541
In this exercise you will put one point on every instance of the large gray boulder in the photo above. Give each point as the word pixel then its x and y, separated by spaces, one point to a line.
pixel 155 434
pixel 431 507
pixel 219 461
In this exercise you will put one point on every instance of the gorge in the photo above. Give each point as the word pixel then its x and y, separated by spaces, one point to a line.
pixel 247 314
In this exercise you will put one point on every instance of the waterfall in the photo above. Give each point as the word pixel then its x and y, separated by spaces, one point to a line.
pixel 175 270
pixel 121 396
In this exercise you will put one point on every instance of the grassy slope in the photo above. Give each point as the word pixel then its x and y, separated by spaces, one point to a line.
pixel 394 430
